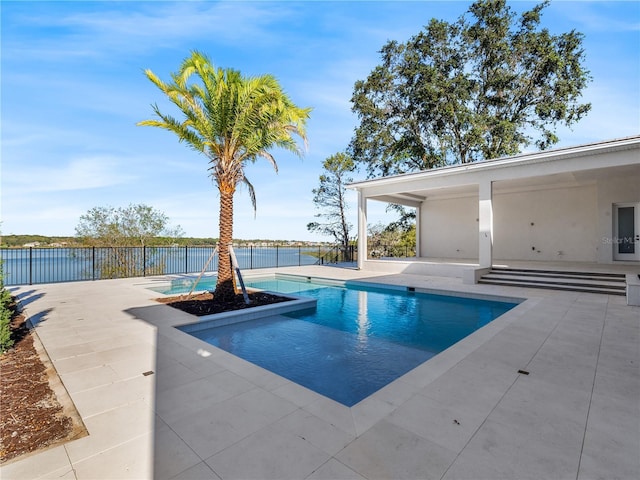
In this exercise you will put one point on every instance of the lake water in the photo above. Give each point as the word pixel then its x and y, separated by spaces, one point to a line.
pixel 25 266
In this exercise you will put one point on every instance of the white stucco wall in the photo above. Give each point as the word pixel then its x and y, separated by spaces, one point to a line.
pixel 449 228
pixel 553 224
pixel 563 223
pixel 611 191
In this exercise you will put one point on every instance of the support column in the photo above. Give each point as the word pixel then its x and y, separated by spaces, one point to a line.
pixel 362 229
pixel 485 224
pixel 418 229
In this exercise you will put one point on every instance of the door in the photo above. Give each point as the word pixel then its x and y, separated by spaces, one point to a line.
pixel 626 231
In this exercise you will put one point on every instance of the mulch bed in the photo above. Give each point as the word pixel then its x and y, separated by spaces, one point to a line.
pixel 31 417
pixel 205 303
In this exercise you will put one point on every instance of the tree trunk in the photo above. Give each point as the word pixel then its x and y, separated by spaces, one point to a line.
pixel 224 287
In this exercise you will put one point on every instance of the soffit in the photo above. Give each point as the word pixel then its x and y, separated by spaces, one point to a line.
pixel 574 166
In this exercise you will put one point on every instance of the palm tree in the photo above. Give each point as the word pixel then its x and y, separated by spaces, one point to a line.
pixel 232 120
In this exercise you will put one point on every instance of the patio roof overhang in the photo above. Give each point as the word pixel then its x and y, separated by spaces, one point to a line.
pixel 565 166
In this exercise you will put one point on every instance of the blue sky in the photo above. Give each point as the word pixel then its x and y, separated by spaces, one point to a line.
pixel 73 89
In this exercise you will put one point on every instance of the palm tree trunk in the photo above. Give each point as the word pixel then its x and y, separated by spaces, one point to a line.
pixel 224 286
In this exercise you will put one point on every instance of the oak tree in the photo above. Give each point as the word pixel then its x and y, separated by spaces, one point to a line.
pixel 482 87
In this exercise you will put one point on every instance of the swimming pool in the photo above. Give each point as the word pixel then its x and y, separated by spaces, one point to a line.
pixel 357 340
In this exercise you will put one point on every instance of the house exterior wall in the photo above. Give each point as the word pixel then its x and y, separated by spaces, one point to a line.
pixel 550 224
pixel 610 191
pixel 557 223
pixel 449 228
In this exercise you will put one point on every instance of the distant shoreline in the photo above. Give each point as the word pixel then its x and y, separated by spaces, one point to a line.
pixel 25 241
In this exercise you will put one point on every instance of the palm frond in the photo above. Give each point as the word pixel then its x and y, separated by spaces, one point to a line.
pixel 252 194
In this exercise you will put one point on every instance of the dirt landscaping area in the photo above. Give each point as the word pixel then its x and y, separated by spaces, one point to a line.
pixel 32 417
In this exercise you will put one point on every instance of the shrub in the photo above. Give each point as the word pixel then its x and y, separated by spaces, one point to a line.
pixel 5 315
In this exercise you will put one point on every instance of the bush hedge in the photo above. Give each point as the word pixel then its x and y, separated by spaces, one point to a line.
pixel 6 312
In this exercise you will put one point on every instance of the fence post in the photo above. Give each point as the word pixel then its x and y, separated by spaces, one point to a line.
pixel 186 259
pixel 276 256
pixel 299 256
pixel 30 265
pixel 144 260
pixel 250 257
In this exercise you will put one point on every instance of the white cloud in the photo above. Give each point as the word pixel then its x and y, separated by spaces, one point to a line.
pixel 134 27
pixel 599 16
pixel 79 174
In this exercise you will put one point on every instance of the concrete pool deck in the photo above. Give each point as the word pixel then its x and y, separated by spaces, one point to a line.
pixel 465 414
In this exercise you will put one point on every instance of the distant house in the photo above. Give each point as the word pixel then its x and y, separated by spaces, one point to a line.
pixel 578 205
pixel 32 244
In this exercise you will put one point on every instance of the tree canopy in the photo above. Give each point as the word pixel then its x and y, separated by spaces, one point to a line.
pixel 482 87
pixel 123 231
pixel 330 198
pixel 134 225
pixel 233 121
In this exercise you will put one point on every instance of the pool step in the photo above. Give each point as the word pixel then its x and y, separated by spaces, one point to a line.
pixel 591 282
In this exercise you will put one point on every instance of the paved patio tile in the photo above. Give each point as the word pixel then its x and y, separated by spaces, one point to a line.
pixel 129 354
pixel 388 451
pixel 188 357
pixel 114 395
pixel 254 373
pixel 333 470
pixel 187 399
pixel 112 428
pixel 171 374
pixel 370 411
pixel 474 385
pixel 130 460
pixel 135 365
pixel 87 379
pixel 611 442
pixel 69 351
pixel 295 393
pixel 397 392
pixel 582 352
pixel 514 346
pixel 46 463
pixel 334 413
pixel 217 426
pixel 447 426
pixel 316 431
pixel 273 452
pixel 201 471
pixel 618 383
pixel 171 454
pixel 557 414
pixel 503 451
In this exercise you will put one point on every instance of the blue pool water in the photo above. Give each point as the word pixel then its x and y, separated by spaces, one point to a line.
pixel 356 341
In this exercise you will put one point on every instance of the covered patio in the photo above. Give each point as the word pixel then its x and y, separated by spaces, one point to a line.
pixel 569 208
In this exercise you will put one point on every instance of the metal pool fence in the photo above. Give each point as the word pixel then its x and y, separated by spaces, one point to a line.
pixel 27 266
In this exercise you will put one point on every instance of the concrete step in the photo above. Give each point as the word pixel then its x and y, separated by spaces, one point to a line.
pixel 569 281
pixel 592 282
pixel 614 277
